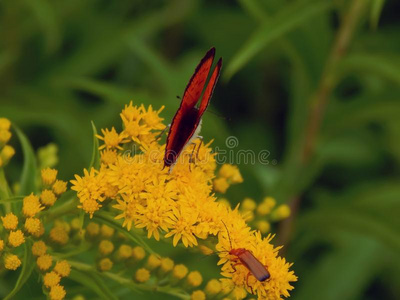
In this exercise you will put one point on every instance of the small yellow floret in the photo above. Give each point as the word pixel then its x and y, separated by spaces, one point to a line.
pixel 142 275
pixel 107 231
pixel 51 279
pixel 57 292
pixel 62 268
pixel 248 204
pixel 231 173
pixel 105 264
pixel 31 205
pixel 59 235
pixel 106 247
pixel 11 262
pixel 153 262
pixel 49 175
pixel 124 251
pixel 39 248
pixel 180 271
pixel 40 232
pixel 48 198
pixel 5 124
pixel 1 245
pixel 7 153
pixel 205 250
pixel 10 221
pixel 194 279
pixel 138 253
pixel 16 238
pixel 281 212
pixel 5 136
pixel 220 185
pixel 59 187
pixel 213 287
pixel 263 226
pixel 32 225
pixel 93 229
pixel 44 262
pixel 167 264
pixel 198 295
pixel 266 206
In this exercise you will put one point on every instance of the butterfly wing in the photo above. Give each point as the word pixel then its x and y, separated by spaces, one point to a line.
pixel 205 100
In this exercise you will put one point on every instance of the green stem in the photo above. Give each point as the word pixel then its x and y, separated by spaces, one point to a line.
pixel 128 282
pixel 5 191
pixel 68 206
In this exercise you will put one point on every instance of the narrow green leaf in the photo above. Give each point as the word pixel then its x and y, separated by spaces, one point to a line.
pixel 95 161
pixel 27 268
pixel 93 282
pixel 15 199
pixel 288 19
pixel 104 218
pixel 375 13
pixel 29 169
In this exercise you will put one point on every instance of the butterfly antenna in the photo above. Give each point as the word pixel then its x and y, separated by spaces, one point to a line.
pixel 227 231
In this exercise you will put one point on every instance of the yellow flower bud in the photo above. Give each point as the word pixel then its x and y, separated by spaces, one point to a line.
pixel 10 221
pixel 51 279
pixel 213 287
pixel 198 295
pixel 39 248
pixel 142 275
pixel 194 279
pixel 57 292
pixel 105 264
pixel 220 185
pixel 11 262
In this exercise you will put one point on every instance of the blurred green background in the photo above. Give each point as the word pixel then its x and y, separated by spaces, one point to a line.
pixel 314 82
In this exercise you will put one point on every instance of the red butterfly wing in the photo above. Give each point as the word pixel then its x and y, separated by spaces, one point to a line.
pixel 205 100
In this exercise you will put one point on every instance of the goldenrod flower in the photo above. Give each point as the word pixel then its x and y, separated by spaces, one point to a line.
pixel 167 265
pixel 10 221
pixel 213 287
pixel 49 175
pixel 198 295
pixel 138 253
pixel 44 262
pixel 109 156
pixel 105 264
pixel 227 286
pixel 51 279
pixel 112 139
pixel 1 245
pixel 106 247
pixel 31 205
pixel 11 262
pixel 59 235
pixel 106 231
pixel 280 213
pixel 40 232
pixel 124 251
pixel 7 153
pixel 62 268
pixel 93 229
pixel 194 279
pixel 57 292
pixel 263 226
pixel 153 262
pixel 59 187
pixel 180 271
pixel 142 275
pixel 32 225
pixel 231 173
pixel 248 204
pixel 5 124
pixel 221 185
pixel 184 227
pixel 5 136
pixel 39 248
pixel 16 238
pixel 266 206
pixel 48 198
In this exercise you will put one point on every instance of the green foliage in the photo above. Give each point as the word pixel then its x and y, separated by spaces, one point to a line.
pixel 65 63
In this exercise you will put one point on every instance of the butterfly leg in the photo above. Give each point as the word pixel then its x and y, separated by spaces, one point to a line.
pixel 191 160
pixel 162 132
pixel 198 149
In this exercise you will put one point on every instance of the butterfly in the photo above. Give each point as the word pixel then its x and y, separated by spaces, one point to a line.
pixel 186 124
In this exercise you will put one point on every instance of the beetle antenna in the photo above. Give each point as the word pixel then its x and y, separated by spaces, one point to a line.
pixel 227 231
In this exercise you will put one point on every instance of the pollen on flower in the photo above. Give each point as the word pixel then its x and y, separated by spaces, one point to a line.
pixel 105 264
pixel 44 262
pixel 32 225
pixel 51 279
pixel 11 262
pixel 48 198
pixel 106 247
pixel 194 279
pixel 49 175
pixel 16 238
pixel 31 205
pixel 59 187
pixel 180 271
pixel 39 248
pixel 142 275
pixel 59 235
pixel 213 287
pixel 57 292
pixel 198 295
pixel 62 268
pixel 10 221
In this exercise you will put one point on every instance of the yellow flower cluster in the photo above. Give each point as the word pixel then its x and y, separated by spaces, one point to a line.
pixel 180 205
pixel 6 151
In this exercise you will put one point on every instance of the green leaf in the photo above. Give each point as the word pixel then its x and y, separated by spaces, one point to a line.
pixel 15 199
pixel 95 161
pixel 375 13
pixel 27 268
pixel 288 19
pixel 29 170
pixel 93 282
pixel 104 218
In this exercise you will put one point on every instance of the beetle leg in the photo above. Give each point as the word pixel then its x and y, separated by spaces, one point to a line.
pixel 247 282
